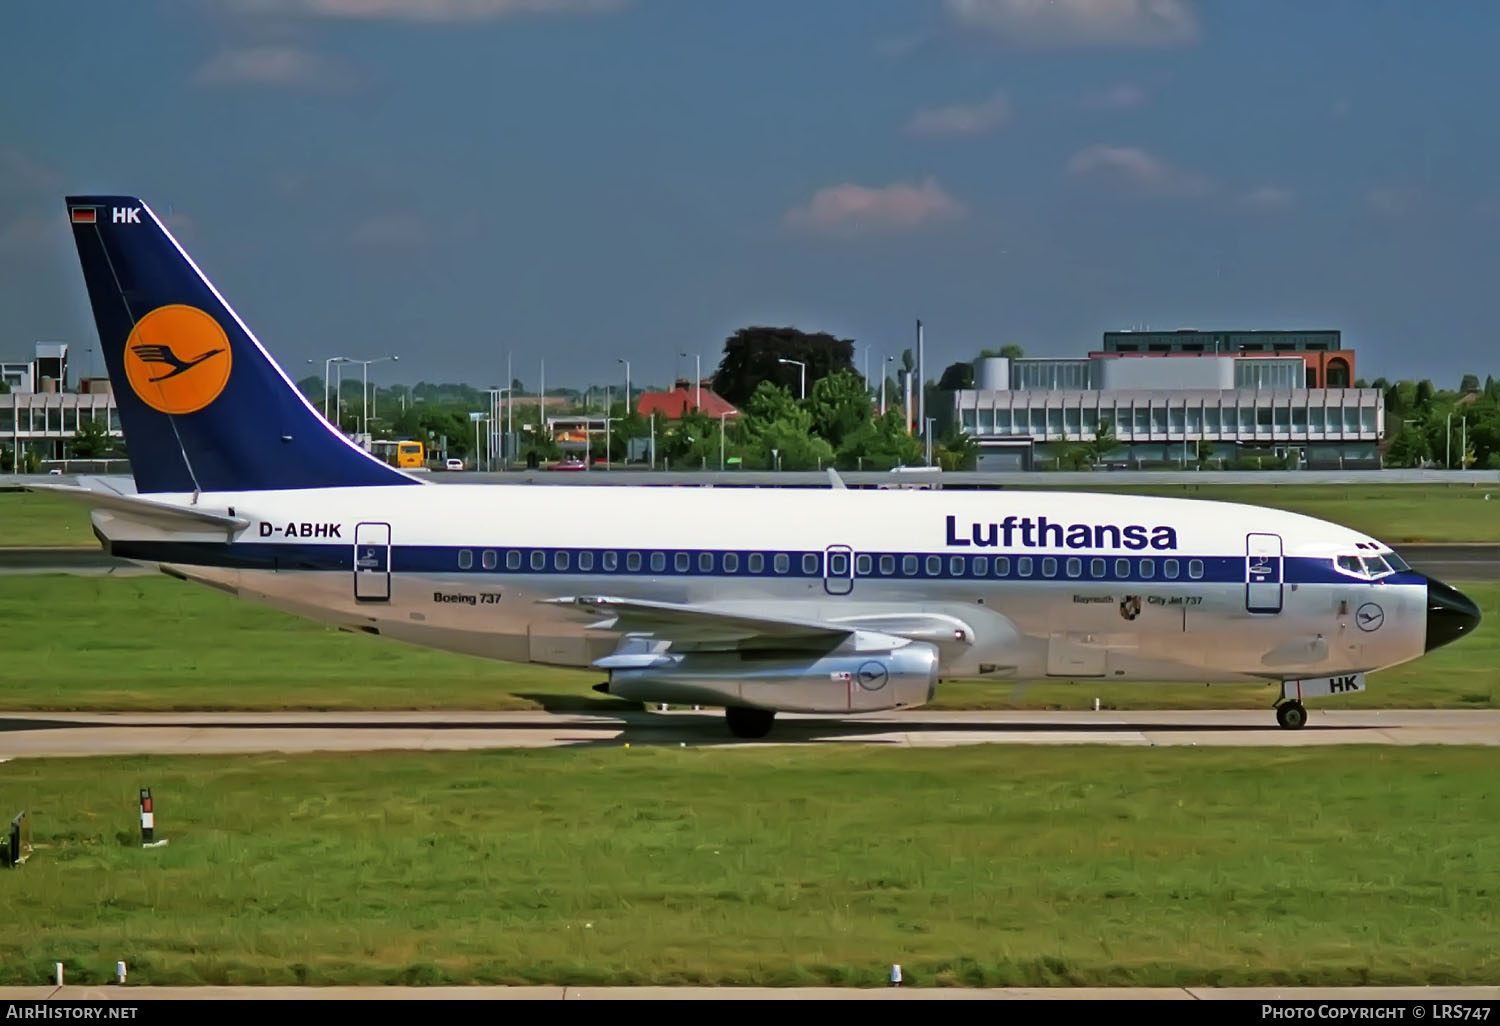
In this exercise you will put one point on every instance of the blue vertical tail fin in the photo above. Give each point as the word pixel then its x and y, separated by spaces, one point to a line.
pixel 202 405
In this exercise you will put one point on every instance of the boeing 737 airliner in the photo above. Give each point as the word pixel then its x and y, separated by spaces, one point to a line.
pixel 754 600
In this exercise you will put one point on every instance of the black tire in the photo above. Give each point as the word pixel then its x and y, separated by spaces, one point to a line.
pixel 1291 715
pixel 749 722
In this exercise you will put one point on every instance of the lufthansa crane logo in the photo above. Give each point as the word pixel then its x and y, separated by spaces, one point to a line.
pixel 1369 617
pixel 872 675
pixel 177 359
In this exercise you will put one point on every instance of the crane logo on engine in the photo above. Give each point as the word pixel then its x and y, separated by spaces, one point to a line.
pixel 872 675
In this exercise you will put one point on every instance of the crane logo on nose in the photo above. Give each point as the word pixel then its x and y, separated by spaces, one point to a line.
pixel 1369 617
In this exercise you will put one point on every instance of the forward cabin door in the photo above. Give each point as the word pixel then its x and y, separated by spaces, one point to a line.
pixel 1263 573
pixel 372 562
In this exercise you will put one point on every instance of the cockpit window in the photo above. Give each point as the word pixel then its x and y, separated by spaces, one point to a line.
pixel 1350 564
pixel 1375 566
pixel 1396 562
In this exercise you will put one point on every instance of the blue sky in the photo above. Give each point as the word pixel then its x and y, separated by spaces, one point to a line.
pixel 582 181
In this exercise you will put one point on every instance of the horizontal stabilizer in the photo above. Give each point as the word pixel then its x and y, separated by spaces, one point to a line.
pixel 159 513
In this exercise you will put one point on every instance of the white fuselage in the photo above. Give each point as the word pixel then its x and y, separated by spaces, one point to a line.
pixel 1038 584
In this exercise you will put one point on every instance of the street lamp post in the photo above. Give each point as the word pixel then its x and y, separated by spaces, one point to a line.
pixel 802 373
pixel 698 378
pixel 888 359
pixel 327 364
pixel 627 388
pixel 721 439
pixel 364 399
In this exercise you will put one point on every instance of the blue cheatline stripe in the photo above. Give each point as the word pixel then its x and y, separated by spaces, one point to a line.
pixel 741 563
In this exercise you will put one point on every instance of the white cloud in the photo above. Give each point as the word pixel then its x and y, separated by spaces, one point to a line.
pixel 1118 97
pixel 1267 198
pixel 963 119
pixel 272 65
pixel 1137 168
pixel 848 209
pixel 403 231
pixel 1079 22
pixel 1393 201
pixel 425 10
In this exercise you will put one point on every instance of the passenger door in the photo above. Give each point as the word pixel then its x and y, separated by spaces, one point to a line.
pixel 1263 573
pixel 372 562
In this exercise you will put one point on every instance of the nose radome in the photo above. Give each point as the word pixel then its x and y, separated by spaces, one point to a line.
pixel 1450 614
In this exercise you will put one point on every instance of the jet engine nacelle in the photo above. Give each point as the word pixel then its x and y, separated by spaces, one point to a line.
pixel 901 678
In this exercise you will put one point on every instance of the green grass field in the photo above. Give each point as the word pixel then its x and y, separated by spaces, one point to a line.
pixel 983 866
pixel 150 642
pixel 1392 513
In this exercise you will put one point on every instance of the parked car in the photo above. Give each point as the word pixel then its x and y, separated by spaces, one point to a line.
pixel 453 464
pixel 571 463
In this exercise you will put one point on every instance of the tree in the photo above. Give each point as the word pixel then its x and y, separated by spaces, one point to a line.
pixel 957 376
pixel 839 406
pixel 91 441
pixel 1009 351
pixel 1470 383
pixel 751 355
pixel 880 444
pixel 1424 395
pixel 1104 442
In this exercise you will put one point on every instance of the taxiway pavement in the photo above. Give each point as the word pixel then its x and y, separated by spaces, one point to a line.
pixel 47 734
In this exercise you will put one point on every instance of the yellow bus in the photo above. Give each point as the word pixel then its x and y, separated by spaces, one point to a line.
pixel 410 453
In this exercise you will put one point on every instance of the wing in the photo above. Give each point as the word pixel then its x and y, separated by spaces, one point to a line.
pixel 679 623
pixel 159 513
pixel 691 626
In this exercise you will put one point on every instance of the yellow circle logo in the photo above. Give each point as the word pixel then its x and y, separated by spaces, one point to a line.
pixel 177 359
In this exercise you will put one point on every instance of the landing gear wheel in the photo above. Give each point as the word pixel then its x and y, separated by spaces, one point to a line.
pixel 1291 715
pixel 749 722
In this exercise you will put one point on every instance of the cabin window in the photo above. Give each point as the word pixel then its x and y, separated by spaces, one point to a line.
pixel 1075 566
pixel 611 560
pixel 489 559
pixel 633 562
pixel 731 563
pixel 1169 569
pixel 1195 569
pixel 1002 566
pixel 1049 567
pixel 1148 568
pixel 1023 566
pixel 909 566
pixel 585 561
pixel 560 561
pixel 513 559
pixel 1096 568
pixel 862 565
pixel 465 559
pixel 681 562
pixel 1122 569
pixel 934 565
pixel 782 562
pixel 538 559
pixel 887 565
pixel 955 566
pixel 658 562
pixel 706 562
pixel 809 563
pixel 981 565
pixel 757 563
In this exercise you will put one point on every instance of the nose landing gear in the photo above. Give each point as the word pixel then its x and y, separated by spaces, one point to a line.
pixel 1291 715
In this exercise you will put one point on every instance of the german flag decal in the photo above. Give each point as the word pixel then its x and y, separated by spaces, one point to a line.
pixel 85 215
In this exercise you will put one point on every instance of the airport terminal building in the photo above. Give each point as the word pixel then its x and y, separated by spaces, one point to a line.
pixel 38 413
pixel 1237 398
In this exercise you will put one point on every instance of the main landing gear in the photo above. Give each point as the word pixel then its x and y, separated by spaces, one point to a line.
pixel 749 722
pixel 1292 715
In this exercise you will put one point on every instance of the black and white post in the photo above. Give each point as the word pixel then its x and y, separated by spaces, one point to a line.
pixel 148 821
